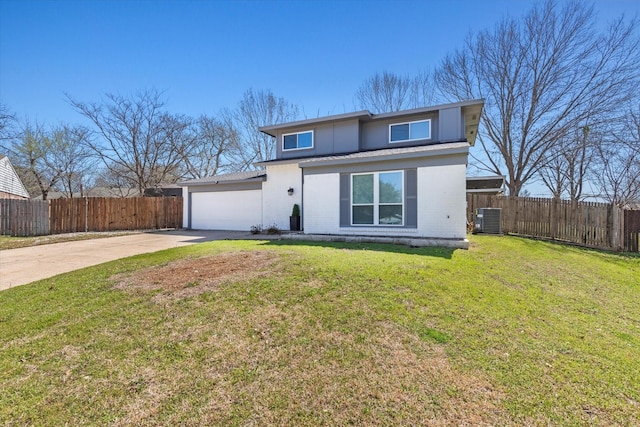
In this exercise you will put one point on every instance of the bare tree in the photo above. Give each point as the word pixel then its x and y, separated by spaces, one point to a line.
pixel 212 139
pixel 134 134
pixel 388 92
pixel 619 174
pixel 630 132
pixel 618 161
pixel 255 109
pixel 541 76
pixel 7 121
pixel 568 163
pixel 116 181
pixel 34 155
pixel 73 158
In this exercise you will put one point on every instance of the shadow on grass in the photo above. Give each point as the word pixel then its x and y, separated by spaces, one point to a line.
pixel 438 252
pixel 560 246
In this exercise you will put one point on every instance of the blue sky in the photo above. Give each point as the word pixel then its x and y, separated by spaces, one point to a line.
pixel 205 54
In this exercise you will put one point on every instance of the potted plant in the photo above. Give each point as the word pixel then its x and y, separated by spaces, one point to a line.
pixel 294 219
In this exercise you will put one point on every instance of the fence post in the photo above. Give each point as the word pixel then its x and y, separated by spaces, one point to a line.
pixel 613 227
pixel 553 227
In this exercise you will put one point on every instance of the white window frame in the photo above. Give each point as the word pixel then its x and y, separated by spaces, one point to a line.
pixel 298 133
pixel 410 139
pixel 376 199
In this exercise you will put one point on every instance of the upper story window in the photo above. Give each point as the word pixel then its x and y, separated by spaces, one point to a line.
pixel 297 141
pixel 410 131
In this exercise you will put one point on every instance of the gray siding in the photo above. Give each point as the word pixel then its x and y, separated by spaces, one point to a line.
pixel 386 165
pixel 363 131
pixel 451 125
pixel 375 134
pixel 234 186
pixel 411 198
pixel 328 138
pixel 345 200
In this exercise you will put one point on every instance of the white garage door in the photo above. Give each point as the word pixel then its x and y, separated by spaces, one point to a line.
pixel 226 210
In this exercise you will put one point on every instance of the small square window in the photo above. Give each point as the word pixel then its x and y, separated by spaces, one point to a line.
pixel 420 130
pixel 305 140
pixel 400 132
pixel 363 215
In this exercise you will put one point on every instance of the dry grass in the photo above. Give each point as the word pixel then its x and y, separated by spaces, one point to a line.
pixel 192 276
pixel 10 242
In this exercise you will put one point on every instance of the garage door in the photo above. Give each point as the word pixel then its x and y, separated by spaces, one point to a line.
pixel 226 210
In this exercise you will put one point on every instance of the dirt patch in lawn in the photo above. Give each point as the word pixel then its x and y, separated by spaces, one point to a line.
pixel 193 276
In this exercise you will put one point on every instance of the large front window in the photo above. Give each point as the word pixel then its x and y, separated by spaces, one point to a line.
pixel 297 141
pixel 377 198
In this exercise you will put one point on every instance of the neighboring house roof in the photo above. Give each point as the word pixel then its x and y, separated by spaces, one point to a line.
pixel 228 178
pixel 10 182
pixel 471 109
pixel 94 192
pixel 486 184
pixel 163 190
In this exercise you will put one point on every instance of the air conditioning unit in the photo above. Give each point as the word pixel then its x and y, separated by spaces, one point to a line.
pixel 488 220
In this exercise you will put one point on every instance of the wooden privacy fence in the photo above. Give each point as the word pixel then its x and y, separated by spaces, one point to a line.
pixel 597 225
pixel 37 217
pixel 111 214
pixel 24 217
pixel 631 233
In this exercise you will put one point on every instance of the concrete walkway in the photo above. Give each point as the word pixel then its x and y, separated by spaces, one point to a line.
pixel 26 265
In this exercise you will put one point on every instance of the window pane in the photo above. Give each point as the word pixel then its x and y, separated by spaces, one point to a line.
pixel 420 130
pixel 390 214
pixel 290 142
pixel 305 140
pixel 363 214
pixel 362 189
pixel 400 132
pixel 391 187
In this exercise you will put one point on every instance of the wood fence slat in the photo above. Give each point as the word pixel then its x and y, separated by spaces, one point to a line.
pixel 593 224
pixel 111 214
pixel 24 217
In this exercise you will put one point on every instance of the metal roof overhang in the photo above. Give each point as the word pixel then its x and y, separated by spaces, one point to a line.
pixel 223 181
pixel 389 154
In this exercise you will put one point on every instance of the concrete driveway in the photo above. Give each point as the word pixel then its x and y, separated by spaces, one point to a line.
pixel 26 265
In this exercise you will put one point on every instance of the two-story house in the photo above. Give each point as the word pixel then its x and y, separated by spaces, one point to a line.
pixel 400 174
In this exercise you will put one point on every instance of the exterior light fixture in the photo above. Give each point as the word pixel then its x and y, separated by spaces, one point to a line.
pixel 290 191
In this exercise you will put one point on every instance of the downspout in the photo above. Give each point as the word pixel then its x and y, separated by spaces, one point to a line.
pixel 302 202
pixel 189 209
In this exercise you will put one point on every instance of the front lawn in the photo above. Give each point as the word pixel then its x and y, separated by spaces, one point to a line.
pixel 510 332
pixel 11 242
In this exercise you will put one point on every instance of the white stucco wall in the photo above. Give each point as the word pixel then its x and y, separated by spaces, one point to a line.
pixel 277 204
pixel 185 207
pixel 441 205
pixel 321 204
pixel 226 210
